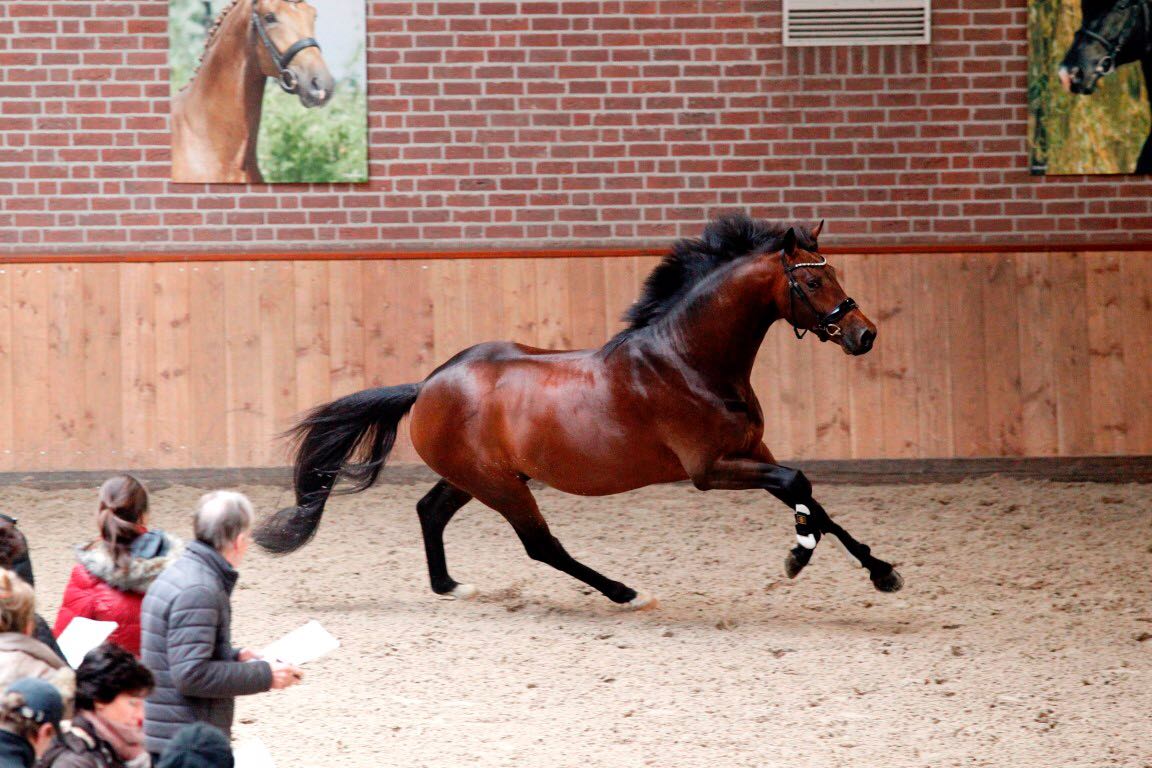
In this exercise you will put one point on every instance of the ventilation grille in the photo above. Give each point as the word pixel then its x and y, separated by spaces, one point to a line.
pixel 857 22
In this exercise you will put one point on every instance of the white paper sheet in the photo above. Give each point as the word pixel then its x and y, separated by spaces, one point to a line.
pixel 251 753
pixel 82 635
pixel 302 645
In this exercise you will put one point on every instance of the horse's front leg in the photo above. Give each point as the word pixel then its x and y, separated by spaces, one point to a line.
pixel 792 487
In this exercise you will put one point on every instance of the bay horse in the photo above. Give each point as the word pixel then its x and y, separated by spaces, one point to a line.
pixel 667 399
pixel 216 117
pixel 1111 35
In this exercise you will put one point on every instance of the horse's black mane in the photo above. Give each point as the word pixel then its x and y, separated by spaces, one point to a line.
pixel 731 237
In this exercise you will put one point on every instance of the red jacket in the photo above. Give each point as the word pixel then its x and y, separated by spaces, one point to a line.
pixel 100 591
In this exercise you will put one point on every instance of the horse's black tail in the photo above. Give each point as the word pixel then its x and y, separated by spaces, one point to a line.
pixel 350 438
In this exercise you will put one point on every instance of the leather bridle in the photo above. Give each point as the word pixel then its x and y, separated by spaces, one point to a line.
pixel 1113 47
pixel 826 323
pixel 287 78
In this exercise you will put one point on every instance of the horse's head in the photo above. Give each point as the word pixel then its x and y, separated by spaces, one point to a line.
pixel 811 299
pixel 1110 35
pixel 288 51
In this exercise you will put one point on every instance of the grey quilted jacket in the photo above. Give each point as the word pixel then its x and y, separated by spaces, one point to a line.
pixel 186 640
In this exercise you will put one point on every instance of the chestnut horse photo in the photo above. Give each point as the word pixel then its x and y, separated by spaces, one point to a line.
pixel 667 399
pixel 216 117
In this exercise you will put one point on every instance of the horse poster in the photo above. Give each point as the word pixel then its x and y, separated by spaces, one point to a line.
pixel 1088 65
pixel 268 91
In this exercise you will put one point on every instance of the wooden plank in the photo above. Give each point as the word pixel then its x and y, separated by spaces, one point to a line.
pixel 208 433
pixel 866 385
pixel 402 333
pixel 30 447
pixel 248 433
pixel 619 289
pixel 1002 355
pixel 1037 348
pixel 553 329
pixel 138 363
pixel 897 294
pixel 481 282
pixel 587 323
pixel 313 351
pixel 1107 329
pixel 1136 308
pixel 518 289
pixel 450 310
pixel 173 380
pixel 103 408
pixel 831 369
pixel 931 354
pixel 64 388
pixel 1071 362
pixel 278 399
pixel 7 394
pixel 969 397
pixel 346 288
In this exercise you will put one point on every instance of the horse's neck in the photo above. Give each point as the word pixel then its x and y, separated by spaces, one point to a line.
pixel 228 90
pixel 720 332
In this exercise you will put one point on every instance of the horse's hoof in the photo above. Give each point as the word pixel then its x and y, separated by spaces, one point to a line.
pixel 463 592
pixel 793 565
pixel 889 582
pixel 642 602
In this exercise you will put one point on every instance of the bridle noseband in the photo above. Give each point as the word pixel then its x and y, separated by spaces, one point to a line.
pixel 287 79
pixel 825 323
pixel 1113 47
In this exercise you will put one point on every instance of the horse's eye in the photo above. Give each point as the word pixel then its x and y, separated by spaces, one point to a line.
pixel 270 18
pixel 814 283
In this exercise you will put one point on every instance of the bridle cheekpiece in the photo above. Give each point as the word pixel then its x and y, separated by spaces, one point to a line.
pixel 826 323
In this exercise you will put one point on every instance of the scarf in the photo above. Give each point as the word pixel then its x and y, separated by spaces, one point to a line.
pixel 126 740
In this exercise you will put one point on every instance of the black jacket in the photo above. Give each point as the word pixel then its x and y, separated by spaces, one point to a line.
pixel 15 751
pixel 186 640
pixel 80 747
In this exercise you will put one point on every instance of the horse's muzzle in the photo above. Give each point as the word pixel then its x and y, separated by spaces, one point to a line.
pixel 1073 81
pixel 859 340
pixel 314 91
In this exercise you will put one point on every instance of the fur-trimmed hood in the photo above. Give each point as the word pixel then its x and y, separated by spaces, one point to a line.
pixel 139 574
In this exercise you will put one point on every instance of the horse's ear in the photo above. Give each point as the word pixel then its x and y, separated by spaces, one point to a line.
pixel 788 244
pixel 816 230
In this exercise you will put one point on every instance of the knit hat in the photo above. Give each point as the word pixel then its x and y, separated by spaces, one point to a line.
pixel 198 746
pixel 42 702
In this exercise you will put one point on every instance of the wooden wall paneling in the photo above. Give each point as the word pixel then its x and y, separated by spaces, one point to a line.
pixel 482 284
pixel 518 289
pixel 795 387
pixel 103 407
pixel 138 364
pixel 1002 355
pixel 620 281
pixel 346 287
pixel 8 401
pixel 241 371
pixel 173 375
pixel 588 326
pixel 451 312
pixel 931 353
pixel 69 432
pixel 1136 311
pixel 897 292
pixel 279 401
pixel 969 397
pixel 1036 346
pixel 313 350
pixel 866 382
pixel 1106 364
pixel 207 394
pixel 30 370
pixel 1068 305
pixel 553 323
pixel 407 333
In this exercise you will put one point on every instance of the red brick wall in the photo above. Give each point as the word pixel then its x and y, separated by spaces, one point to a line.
pixel 538 123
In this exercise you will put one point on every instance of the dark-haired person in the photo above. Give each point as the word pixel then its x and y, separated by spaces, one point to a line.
pixel 108 727
pixel 114 571
pixel 198 746
pixel 30 713
pixel 14 557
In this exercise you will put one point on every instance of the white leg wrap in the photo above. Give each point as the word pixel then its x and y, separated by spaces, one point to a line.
pixel 809 541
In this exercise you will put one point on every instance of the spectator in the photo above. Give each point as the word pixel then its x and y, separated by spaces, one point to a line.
pixel 30 713
pixel 198 746
pixel 187 632
pixel 14 556
pixel 21 655
pixel 114 571
pixel 108 728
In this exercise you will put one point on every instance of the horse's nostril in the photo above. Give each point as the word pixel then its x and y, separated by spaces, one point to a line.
pixel 866 340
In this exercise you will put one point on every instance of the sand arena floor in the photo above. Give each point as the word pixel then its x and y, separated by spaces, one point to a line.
pixel 1022 637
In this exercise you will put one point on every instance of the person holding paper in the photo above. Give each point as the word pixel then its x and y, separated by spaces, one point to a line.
pixel 22 655
pixel 187 633
pixel 114 571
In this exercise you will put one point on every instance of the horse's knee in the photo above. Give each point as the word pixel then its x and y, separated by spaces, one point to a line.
pixel 544 549
pixel 795 485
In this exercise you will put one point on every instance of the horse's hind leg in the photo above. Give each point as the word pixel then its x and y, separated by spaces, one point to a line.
pixel 435 510
pixel 516 503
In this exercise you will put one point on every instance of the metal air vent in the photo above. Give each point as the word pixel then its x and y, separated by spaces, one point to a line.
pixel 857 22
